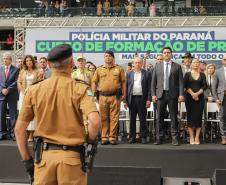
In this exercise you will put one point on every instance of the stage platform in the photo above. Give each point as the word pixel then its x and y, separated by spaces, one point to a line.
pixel 190 161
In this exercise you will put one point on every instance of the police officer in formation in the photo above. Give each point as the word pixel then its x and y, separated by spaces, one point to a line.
pixel 110 80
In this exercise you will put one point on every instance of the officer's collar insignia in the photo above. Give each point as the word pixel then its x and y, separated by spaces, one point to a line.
pixel 89 92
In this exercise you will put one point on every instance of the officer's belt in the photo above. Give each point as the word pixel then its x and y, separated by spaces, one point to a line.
pixel 51 146
pixel 107 94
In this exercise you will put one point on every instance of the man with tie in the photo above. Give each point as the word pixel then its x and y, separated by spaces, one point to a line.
pixel 167 89
pixel 138 98
pixel 219 92
pixel 208 94
pixel 8 96
pixel 45 70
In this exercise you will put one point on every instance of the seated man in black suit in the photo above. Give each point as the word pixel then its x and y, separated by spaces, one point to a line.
pixel 138 98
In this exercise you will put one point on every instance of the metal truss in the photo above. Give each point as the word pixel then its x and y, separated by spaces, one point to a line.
pixel 19 45
pixel 20 24
pixel 146 22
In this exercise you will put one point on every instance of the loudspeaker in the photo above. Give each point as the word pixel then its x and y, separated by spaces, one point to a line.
pixel 124 175
pixel 219 177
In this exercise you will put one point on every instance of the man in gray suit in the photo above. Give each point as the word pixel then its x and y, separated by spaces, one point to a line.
pixel 219 90
pixel 167 89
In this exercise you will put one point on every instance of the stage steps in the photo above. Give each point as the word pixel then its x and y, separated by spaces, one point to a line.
pixel 181 181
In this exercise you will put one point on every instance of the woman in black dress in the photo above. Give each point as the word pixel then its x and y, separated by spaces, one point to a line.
pixel 195 84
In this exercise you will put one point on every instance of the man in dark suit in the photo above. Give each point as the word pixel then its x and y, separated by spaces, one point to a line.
pixel 167 89
pixel 8 96
pixel 138 98
pixel 219 92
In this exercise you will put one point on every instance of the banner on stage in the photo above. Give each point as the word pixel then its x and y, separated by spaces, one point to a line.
pixel 205 43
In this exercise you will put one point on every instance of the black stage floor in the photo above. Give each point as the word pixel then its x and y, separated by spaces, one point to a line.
pixel 198 161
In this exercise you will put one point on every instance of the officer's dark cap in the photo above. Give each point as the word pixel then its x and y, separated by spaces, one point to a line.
pixel 110 53
pixel 60 52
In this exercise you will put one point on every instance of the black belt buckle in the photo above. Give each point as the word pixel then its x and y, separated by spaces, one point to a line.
pixel 64 147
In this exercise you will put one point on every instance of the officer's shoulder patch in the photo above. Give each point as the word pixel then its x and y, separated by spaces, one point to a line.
pixel 89 92
pixel 99 67
pixel 118 66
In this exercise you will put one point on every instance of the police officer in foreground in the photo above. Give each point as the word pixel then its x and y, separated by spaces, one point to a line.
pixel 110 78
pixel 58 104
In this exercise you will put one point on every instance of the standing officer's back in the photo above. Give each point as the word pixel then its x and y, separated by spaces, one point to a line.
pixel 58 104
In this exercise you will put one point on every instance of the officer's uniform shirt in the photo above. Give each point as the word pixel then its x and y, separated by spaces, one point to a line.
pixel 109 78
pixel 58 104
pixel 82 74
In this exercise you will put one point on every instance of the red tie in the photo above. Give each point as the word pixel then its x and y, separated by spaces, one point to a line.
pixel 6 72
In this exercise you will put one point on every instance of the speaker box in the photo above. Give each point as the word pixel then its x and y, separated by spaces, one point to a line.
pixel 219 177
pixel 124 175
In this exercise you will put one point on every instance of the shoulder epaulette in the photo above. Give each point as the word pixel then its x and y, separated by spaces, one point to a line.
pixel 99 66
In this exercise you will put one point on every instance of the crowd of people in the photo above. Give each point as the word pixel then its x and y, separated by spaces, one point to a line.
pixel 65 8
pixel 164 84
pixel 194 82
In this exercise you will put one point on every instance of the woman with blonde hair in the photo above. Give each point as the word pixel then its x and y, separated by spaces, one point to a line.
pixel 195 84
pixel 28 76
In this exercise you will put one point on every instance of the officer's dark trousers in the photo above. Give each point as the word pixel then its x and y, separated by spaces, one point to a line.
pixel 12 113
pixel 161 109
pixel 222 116
pixel 138 106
